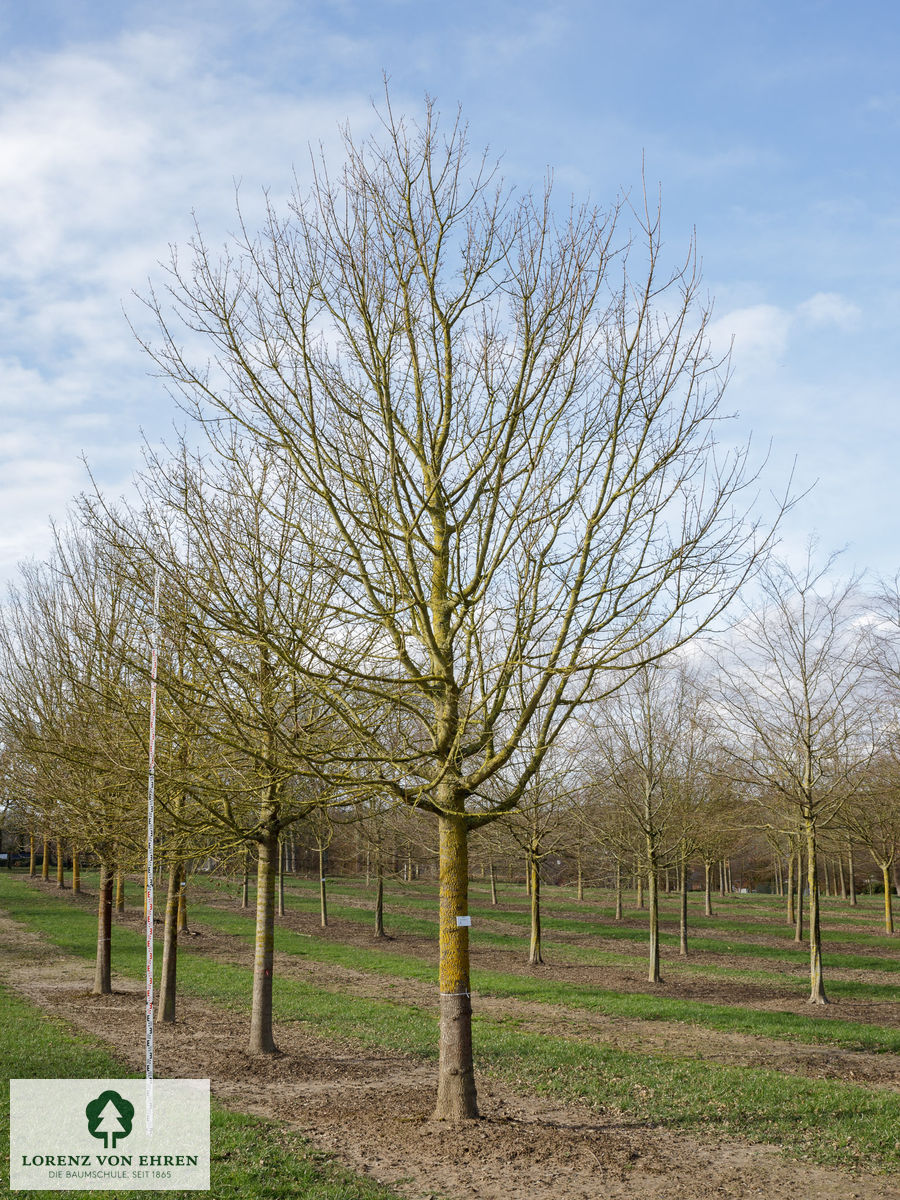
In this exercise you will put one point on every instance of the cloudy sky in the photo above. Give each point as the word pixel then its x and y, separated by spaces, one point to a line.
pixel 771 128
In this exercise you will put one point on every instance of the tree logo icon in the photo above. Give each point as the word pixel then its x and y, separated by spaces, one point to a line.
pixel 109 1117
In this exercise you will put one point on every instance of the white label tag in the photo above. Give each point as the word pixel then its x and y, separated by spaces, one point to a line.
pixel 96 1137
pixel 463 920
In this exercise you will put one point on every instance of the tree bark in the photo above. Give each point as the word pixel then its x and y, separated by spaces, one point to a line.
pixel 580 892
pixel 791 913
pixel 851 878
pixel 618 913
pixel 182 902
pixel 103 966
pixel 707 888
pixel 45 865
pixel 76 871
pixel 493 883
pixel 280 877
pixel 379 896
pixel 323 898
pixel 457 1098
pixel 653 889
pixel 798 913
pixel 32 857
pixel 120 890
pixel 888 910
pixel 245 883
pixel 816 984
pixel 261 1039
pixel 170 945
pixel 682 924
pixel 60 864
pixel 534 948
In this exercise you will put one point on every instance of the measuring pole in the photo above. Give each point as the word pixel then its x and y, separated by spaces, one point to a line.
pixel 154 636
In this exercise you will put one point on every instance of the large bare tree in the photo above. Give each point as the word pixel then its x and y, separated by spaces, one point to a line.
pixel 505 413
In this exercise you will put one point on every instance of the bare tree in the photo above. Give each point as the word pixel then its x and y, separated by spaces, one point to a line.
pixel 506 419
pixel 792 687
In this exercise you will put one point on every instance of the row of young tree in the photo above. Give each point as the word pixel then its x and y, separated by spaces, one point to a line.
pixel 447 519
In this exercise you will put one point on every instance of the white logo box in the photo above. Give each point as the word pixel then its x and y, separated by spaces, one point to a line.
pixel 69 1135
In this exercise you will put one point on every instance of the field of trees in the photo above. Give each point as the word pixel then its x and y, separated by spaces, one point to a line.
pixel 457 651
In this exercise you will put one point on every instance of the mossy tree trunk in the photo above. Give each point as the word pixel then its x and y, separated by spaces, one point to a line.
pixel 457 1098
pixel 103 965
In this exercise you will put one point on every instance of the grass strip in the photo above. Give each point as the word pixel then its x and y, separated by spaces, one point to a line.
pixel 251 1159
pixel 823 1120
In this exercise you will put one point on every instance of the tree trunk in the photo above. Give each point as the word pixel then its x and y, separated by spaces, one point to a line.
pixel 791 913
pixel 379 896
pixel 76 872
pixel 245 884
pixel 103 966
pixel 682 925
pixel 888 911
pixel 640 890
pixel 527 876
pixel 120 890
pixel 493 884
pixel 842 876
pixel 60 864
pixel 170 945
pixel 653 888
pixel 580 892
pixel 534 948
pixel 798 914
pixel 816 985
pixel 261 1040
pixel 323 899
pixel 851 878
pixel 457 1098
pixel 182 902
pixel 45 865
pixel 707 888
pixel 618 915
pixel 32 857
pixel 280 877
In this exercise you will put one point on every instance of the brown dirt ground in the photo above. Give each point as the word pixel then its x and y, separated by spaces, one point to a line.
pixel 372 1110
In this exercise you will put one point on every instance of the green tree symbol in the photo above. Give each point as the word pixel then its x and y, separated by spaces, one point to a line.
pixel 109 1116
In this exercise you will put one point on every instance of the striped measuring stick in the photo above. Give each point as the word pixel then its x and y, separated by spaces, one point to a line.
pixel 151 821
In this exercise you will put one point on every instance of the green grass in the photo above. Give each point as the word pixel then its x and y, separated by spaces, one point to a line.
pixel 783 1026
pixel 251 1159
pixel 828 1121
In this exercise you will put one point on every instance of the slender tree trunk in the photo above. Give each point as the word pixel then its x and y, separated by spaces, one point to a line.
pixel 261 1039
pixel 851 876
pixel 182 901
pixel 367 870
pixel 379 896
pixel 618 915
pixel 791 913
pixel 245 884
pixel 281 877
pixel 493 883
pixel 653 888
pixel 527 876
pixel 888 910
pixel 722 878
pixel 534 948
pixel 668 884
pixel 60 864
pixel 707 888
pixel 45 865
pixel 843 878
pixel 32 857
pixel 103 966
pixel 683 925
pixel 798 914
pixel 323 899
pixel 457 1098
pixel 580 885
pixel 640 890
pixel 170 944
pixel 76 871
pixel 816 984
pixel 120 890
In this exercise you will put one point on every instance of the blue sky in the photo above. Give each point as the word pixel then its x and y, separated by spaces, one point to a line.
pixel 772 129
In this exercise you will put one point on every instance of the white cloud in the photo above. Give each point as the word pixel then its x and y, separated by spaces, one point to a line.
pixel 758 334
pixel 829 308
